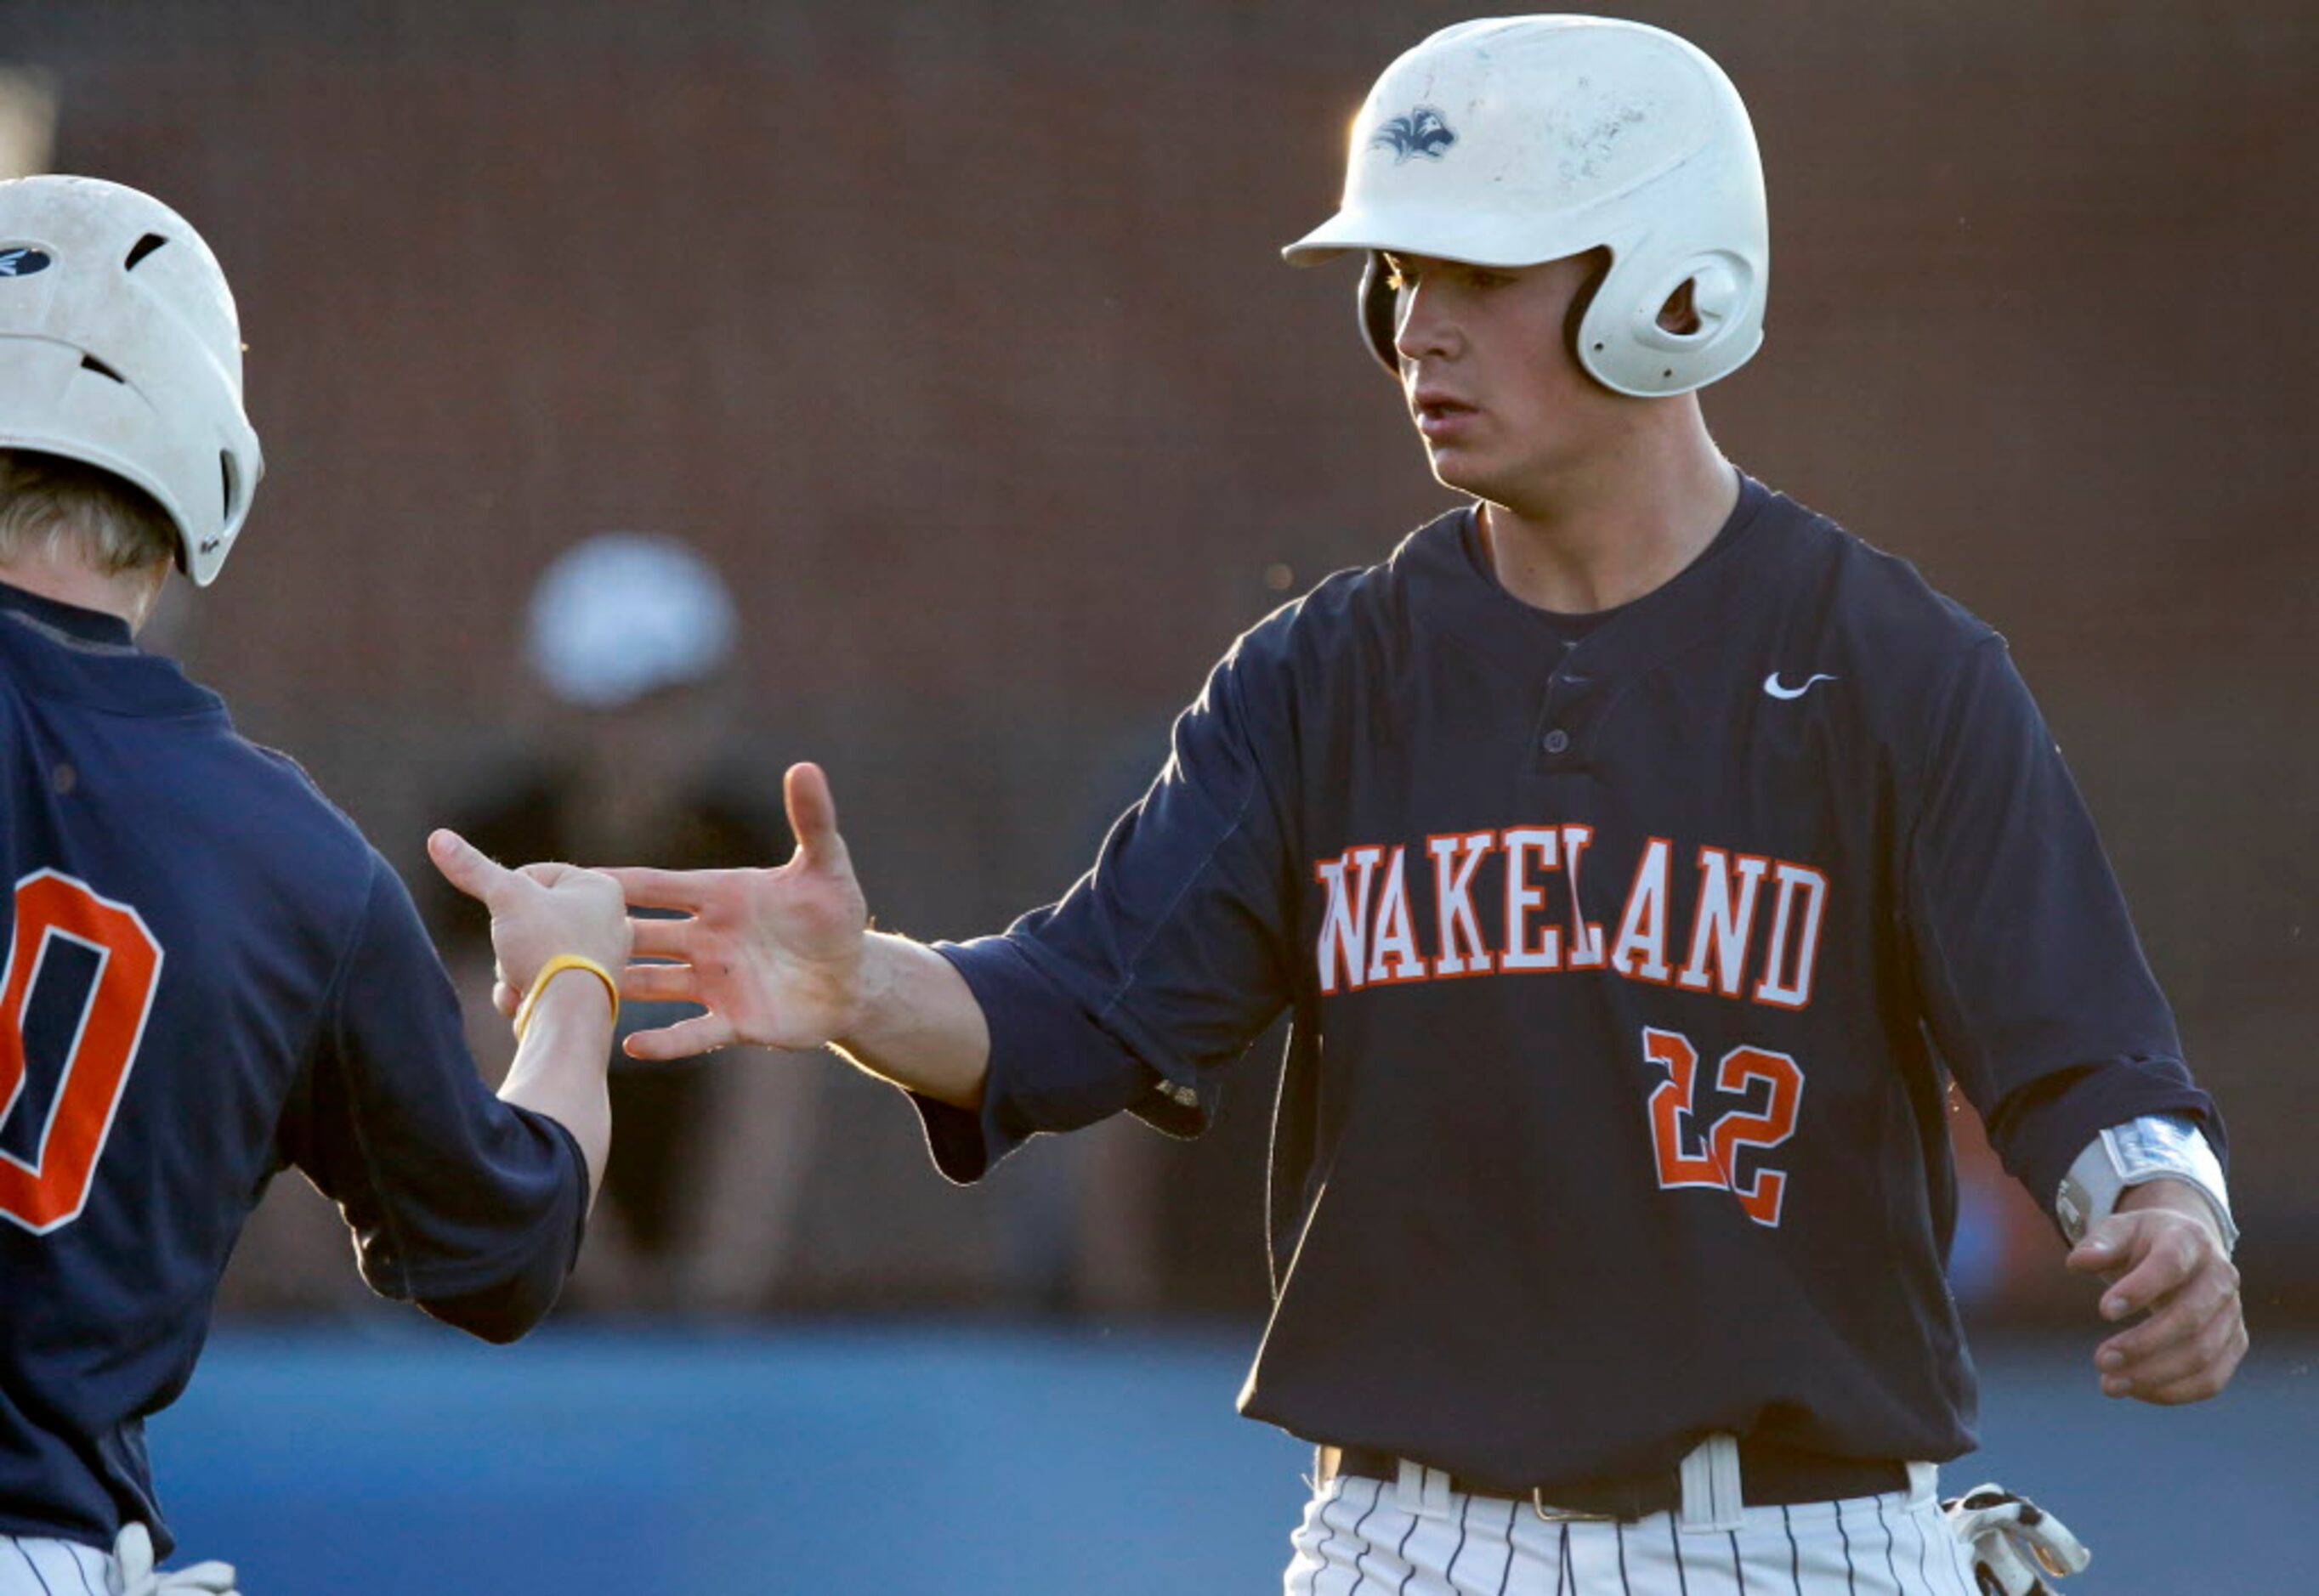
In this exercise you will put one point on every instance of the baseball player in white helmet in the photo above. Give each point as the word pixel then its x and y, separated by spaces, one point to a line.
pixel 1641 857
pixel 210 976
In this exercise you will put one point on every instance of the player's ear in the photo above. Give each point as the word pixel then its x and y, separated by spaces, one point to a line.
pixel 1679 314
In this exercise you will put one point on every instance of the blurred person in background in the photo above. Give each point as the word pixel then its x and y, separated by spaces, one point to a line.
pixel 630 638
pixel 211 975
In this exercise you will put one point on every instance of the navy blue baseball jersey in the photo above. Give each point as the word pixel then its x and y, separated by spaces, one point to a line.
pixel 210 976
pixel 1629 957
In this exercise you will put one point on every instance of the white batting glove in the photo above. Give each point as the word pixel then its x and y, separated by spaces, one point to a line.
pixel 135 1575
pixel 2013 1541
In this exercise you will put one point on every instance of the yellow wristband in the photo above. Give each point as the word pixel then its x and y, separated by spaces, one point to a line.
pixel 550 970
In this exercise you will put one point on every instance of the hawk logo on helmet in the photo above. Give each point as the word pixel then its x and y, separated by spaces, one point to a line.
pixel 1421 133
pixel 21 262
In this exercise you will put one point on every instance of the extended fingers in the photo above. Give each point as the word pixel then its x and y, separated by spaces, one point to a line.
pixel 659 983
pixel 465 866
pixel 661 939
pixel 648 888
pixel 700 1034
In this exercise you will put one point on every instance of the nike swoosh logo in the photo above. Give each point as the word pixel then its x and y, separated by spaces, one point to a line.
pixel 1771 685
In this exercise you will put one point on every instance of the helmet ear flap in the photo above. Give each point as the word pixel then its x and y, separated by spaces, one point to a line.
pixel 1377 302
pixel 1719 290
pixel 1624 346
pixel 1574 320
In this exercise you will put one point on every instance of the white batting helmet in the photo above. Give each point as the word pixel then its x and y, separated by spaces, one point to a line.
pixel 120 347
pixel 1511 142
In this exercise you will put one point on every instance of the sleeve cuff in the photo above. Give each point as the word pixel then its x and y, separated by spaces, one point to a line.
pixel 502 1297
pixel 1052 1067
pixel 2047 1138
pixel 958 1139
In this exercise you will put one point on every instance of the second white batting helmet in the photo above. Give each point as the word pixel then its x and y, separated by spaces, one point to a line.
pixel 1512 141
pixel 624 615
pixel 120 347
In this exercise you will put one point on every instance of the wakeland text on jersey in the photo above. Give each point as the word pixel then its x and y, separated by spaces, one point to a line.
pixel 1369 936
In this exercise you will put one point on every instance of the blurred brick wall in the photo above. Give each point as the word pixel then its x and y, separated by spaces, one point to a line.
pixel 958 335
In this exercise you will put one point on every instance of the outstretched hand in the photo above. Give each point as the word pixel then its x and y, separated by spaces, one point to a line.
pixel 538 911
pixel 776 956
pixel 2162 1255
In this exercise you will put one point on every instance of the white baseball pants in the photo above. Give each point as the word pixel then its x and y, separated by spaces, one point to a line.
pixel 38 1565
pixel 41 1567
pixel 1372 1537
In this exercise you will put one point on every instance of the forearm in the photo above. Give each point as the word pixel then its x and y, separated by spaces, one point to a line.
pixel 918 1023
pixel 2173 1194
pixel 559 1066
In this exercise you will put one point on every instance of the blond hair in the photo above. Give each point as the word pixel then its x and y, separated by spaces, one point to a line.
pixel 51 506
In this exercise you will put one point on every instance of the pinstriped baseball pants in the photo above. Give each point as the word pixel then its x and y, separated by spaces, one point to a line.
pixel 42 1567
pixel 1359 1540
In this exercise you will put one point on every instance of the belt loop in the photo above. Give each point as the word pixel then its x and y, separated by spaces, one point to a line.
pixel 1711 1499
pixel 1422 1491
pixel 1924 1482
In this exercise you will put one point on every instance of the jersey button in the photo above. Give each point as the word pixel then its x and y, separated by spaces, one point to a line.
pixel 1557 740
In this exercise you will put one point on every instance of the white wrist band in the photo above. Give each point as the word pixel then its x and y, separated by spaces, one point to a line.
pixel 2155 1147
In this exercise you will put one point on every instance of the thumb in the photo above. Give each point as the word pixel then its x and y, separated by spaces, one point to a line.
pixel 2104 1246
pixel 813 818
pixel 465 866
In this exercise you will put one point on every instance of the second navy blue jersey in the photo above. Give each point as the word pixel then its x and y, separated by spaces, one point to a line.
pixel 1629 965
pixel 210 975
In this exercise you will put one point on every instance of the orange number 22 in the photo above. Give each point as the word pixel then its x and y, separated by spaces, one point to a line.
pixel 1689 1155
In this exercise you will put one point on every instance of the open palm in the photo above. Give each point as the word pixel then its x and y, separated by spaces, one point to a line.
pixel 774 955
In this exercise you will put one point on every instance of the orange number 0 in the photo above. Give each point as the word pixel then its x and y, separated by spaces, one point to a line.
pixel 50 1191
pixel 1674 1131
